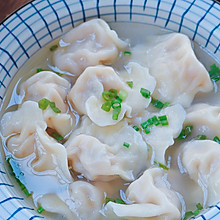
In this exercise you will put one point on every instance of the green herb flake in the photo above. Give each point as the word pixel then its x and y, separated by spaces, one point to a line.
pixel 57 136
pixel 106 106
pixel 201 137
pixel 40 209
pixel 125 144
pixel 54 47
pixel 156 103
pixel 136 128
pixel 145 93
pixel 39 70
pixel 122 94
pixel 54 108
pixel 109 200
pixel 130 84
pixel 214 73
pixel 161 165
pixel 127 52
pixel 185 132
pixel 216 139
pixel 116 112
pixel 119 201
pixel 43 103
pixel 190 214
pixel 163 120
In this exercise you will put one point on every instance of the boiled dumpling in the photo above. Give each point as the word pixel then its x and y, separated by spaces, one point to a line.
pixel 179 75
pixel 84 202
pixel 89 44
pixel 205 119
pixel 161 137
pixel 98 152
pixel 49 85
pixel 86 94
pixel 50 155
pixel 19 128
pixel 141 78
pixel 200 159
pixel 150 198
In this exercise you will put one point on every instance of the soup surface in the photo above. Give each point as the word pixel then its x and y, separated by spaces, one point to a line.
pixel 123 124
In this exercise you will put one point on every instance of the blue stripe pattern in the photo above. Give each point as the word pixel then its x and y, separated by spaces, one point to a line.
pixel 24 16
pixel 202 18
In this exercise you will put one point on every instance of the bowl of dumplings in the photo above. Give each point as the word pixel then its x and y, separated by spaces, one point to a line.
pixel 110 110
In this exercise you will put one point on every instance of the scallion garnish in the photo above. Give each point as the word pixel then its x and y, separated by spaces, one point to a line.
pixel 43 104
pixel 57 136
pixel 201 137
pixel 130 84
pixel 39 70
pixel 106 106
pixel 136 128
pixel 195 213
pixel 117 200
pixel 158 104
pixel 185 132
pixel 147 130
pixel 155 120
pixel 116 104
pixel 163 120
pixel 40 209
pixel 54 47
pixel 145 93
pixel 127 52
pixel 116 112
pixel 161 165
pixel 18 175
pixel 122 94
pixel 125 144
pixel 108 96
pixel 214 73
pixel 216 139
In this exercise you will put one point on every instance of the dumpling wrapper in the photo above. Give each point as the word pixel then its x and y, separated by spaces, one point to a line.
pixel 200 159
pixel 98 152
pixel 179 74
pixel 150 198
pixel 91 43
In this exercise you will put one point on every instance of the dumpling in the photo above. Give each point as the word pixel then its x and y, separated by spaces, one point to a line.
pixel 179 75
pixel 86 94
pixel 49 85
pixel 89 44
pixel 205 119
pixel 84 202
pixel 50 155
pixel 200 159
pixel 150 198
pixel 19 128
pixel 98 152
pixel 161 137
pixel 141 78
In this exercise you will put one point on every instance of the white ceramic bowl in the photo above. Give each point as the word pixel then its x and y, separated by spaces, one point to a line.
pixel 39 22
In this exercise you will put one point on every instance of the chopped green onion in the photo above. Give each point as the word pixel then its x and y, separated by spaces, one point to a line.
pixel 43 104
pixel 216 139
pixel 125 144
pixel 156 103
pixel 114 92
pixel 127 52
pixel 201 137
pixel 40 210
pixel 155 120
pixel 185 132
pixel 144 124
pixel 122 94
pixel 192 214
pixel 130 84
pixel 161 165
pixel 116 112
pixel 54 108
pixel 163 120
pixel 145 93
pixel 106 106
pixel 108 96
pixel 136 128
pixel 39 70
pixel 109 200
pixel 57 136
pixel 116 104
pixel 119 201
pixel 54 47
pixel 18 175
pixel 147 130
pixel 59 74
pixel 214 73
